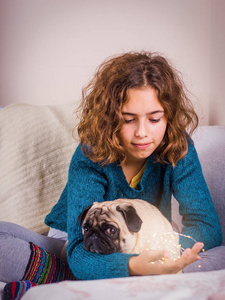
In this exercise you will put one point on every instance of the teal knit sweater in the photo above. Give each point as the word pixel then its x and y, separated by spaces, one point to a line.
pixel 88 182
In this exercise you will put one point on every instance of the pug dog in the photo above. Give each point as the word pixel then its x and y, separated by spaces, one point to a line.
pixel 127 226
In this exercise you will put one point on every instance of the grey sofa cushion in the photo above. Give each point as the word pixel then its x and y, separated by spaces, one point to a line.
pixel 210 145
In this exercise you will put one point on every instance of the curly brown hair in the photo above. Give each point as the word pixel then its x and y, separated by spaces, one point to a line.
pixel 103 98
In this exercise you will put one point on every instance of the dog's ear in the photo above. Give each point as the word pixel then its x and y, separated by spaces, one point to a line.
pixel 131 217
pixel 82 215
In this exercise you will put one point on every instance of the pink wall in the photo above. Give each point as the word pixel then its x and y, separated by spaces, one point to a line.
pixel 50 48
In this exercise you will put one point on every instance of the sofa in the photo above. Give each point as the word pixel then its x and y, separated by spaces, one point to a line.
pixel 36 145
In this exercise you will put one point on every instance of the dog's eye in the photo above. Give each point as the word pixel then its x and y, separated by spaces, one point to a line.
pixel 85 228
pixel 110 230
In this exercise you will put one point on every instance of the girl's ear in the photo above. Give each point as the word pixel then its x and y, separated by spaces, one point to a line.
pixel 131 217
pixel 82 215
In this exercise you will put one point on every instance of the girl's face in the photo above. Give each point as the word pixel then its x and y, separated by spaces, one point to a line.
pixel 144 124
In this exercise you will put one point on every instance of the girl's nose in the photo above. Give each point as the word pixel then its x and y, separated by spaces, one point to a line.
pixel 141 130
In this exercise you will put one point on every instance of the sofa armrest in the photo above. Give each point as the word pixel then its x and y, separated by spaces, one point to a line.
pixel 36 149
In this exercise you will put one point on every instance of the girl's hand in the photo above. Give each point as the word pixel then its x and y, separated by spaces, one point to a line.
pixel 147 263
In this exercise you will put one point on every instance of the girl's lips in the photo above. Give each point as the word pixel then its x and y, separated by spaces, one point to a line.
pixel 142 146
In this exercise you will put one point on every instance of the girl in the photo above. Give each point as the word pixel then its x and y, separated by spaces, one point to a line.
pixel 135 128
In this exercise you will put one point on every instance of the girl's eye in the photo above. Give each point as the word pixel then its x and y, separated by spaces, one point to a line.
pixel 154 120
pixel 128 121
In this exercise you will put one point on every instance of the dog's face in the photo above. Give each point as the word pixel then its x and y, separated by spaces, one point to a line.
pixel 110 227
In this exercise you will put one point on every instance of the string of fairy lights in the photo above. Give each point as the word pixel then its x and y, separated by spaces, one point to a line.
pixel 168 241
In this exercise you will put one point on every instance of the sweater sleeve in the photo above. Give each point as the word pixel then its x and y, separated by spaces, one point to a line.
pixel 86 184
pixel 199 216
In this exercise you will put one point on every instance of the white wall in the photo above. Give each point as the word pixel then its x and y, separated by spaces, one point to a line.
pixel 217 72
pixel 50 48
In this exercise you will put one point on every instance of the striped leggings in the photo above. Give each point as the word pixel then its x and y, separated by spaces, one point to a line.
pixel 15 249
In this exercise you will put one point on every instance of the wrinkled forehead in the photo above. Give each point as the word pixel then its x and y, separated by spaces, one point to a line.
pixel 100 213
pixel 99 210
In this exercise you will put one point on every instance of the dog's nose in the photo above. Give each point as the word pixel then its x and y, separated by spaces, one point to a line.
pixel 94 235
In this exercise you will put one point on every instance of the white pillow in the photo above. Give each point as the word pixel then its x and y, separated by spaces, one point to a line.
pixel 36 145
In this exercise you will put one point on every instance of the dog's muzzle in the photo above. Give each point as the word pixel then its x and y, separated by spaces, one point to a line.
pixel 98 242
